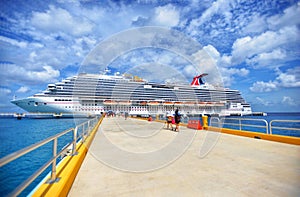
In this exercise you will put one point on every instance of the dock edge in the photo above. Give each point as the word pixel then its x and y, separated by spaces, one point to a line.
pixel 257 135
pixel 67 170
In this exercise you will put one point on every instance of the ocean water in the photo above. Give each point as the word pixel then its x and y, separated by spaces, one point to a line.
pixel 17 134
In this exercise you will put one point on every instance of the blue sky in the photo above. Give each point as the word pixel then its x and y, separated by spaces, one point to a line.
pixel 255 44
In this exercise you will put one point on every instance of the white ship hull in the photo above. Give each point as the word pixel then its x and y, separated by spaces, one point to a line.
pixel 73 106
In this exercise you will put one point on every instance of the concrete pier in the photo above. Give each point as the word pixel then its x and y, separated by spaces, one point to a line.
pixel 140 158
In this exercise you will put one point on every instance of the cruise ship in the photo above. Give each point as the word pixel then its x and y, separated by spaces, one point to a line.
pixel 92 94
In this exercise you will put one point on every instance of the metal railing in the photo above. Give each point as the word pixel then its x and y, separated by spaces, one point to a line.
pixel 85 129
pixel 281 127
pixel 240 123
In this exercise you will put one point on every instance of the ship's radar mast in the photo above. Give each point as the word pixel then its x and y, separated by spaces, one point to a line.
pixel 106 71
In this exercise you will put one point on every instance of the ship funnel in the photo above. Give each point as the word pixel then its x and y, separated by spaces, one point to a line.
pixel 197 80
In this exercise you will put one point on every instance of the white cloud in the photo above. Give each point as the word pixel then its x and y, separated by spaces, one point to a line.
pixel 207 64
pixel 259 22
pixel 23 89
pixel 290 17
pixel 288 100
pixel 225 61
pixel 32 56
pixel 5 97
pixel 212 51
pixel 60 20
pixel 166 15
pixel 228 75
pixel 220 6
pixel 261 86
pixel 263 102
pixel 4 91
pixel 248 47
pixel 267 59
pixel 20 44
pixel 289 79
pixel 257 25
pixel 45 75
pixel 83 45
pixel 13 73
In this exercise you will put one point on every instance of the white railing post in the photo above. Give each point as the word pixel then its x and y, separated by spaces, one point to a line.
pixel 53 171
pixel 74 141
pixel 83 132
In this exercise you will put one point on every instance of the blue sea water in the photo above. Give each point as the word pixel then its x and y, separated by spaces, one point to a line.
pixel 18 134
pixel 277 126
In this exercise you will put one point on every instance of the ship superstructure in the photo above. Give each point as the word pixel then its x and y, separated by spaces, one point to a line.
pixel 95 94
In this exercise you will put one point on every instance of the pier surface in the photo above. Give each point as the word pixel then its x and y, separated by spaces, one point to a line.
pixel 235 166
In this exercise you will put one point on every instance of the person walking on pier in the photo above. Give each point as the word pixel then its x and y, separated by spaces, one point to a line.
pixel 177 119
pixel 169 117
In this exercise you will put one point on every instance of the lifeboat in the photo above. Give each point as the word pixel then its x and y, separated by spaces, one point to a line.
pixel 202 103
pixel 210 103
pixel 168 103
pixel 189 103
pixel 109 102
pixel 143 103
pixel 124 102
pixel 153 103
pixel 219 104
pixel 178 103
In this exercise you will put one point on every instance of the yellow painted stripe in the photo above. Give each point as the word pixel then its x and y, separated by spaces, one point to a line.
pixel 67 169
pixel 276 138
